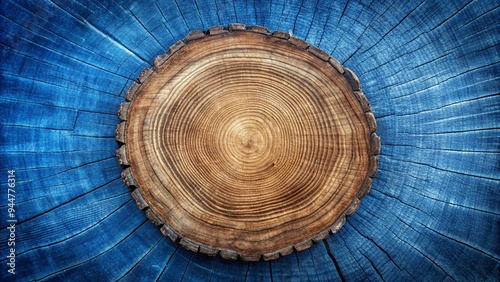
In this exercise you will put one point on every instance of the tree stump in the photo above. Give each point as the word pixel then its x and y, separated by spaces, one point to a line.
pixel 246 143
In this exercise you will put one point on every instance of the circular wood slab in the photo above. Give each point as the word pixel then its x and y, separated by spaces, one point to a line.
pixel 247 144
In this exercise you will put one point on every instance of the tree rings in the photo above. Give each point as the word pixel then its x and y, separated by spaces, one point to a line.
pixel 246 143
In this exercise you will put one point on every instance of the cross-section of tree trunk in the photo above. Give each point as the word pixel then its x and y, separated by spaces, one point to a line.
pixel 247 143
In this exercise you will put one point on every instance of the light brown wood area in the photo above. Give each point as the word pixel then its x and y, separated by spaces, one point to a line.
pixel 247 144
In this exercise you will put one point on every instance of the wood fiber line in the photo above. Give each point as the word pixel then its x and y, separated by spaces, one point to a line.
pixel 246 143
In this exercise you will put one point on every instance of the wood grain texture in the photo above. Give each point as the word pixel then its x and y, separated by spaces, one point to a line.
pixel 428 68
pixel 246 144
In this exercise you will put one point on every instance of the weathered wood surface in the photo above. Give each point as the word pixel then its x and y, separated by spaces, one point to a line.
pixel 429 69
pixel 247 144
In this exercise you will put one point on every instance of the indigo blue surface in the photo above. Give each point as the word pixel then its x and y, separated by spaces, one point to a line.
pixel 431 70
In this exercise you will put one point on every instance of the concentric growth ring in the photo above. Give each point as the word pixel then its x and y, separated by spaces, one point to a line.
pixel 247 144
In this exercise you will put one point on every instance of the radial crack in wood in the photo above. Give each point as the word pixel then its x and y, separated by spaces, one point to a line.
pixel 246 143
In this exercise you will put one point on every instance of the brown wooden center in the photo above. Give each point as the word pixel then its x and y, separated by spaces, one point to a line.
pixel 246 143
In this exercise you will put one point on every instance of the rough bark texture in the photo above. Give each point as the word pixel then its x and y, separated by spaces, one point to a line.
pixel 429 69
pixel 243 142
